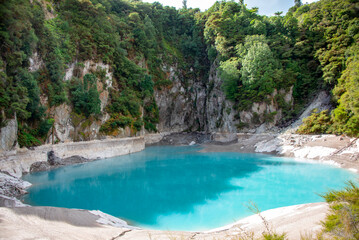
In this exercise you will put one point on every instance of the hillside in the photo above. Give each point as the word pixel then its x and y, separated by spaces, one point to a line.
pixel 78 70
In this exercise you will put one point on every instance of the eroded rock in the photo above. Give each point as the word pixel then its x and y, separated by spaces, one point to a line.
pixel 12 186
pixel 40 166
pixel 8 135
pixel 52 159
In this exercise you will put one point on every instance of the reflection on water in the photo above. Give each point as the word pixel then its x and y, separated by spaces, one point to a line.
pixel 181 189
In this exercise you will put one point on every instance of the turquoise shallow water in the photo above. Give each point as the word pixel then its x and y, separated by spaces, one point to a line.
pixel 178 188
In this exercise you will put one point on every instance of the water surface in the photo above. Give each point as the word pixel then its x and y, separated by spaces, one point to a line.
pixel 179 188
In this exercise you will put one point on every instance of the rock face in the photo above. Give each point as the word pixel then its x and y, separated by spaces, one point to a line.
pixel 220 115
pixel 63 126
pixel 187 105
pixel 52 159
pixel 321 102
pixel 69 126
pixel 182 106
pixel 8 135
pixel 35 62
pixel 267 113
pixel 192 105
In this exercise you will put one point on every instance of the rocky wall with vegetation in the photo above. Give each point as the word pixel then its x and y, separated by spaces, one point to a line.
pixel 79 70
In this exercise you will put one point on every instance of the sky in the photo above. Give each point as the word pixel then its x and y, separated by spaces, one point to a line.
pixel 266 7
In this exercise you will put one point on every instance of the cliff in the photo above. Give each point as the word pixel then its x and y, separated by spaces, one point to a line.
pixel 89 70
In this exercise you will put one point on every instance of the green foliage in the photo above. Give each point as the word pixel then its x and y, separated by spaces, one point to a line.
pixel 151 117
pixel 137 125
pixel 316 123
pixel 34 107
pixel 230 75
pixel 13 98
pixel 146 86
pixel 343 219
pixel 84 95
pixel 274 236
pixel 26 137
pixel 116 121
pixel 346 115
pixel 125 103
pixel 258 67
pixel 252 65
pixel 44 127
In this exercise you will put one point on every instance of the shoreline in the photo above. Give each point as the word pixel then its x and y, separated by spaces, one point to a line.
pixel 63 223
pixel 339 151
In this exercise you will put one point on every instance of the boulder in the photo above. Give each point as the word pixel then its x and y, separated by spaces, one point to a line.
pixel 40 166
pixel 8 135
pixel 74 160
pixel 52 159
pixel 11 186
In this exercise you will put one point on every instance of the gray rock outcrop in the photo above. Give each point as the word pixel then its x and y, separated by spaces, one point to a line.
pixel 40 167
pixel 52 159
pixel 320 102
pixel 182 105
pixel 8 135
pixel 220 115
pixel 11 186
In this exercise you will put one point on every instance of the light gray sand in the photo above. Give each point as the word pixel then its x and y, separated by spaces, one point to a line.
pixel 58 223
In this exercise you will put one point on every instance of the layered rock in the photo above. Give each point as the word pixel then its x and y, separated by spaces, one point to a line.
pixel 11 188
pixel 182 106
pixel 220 116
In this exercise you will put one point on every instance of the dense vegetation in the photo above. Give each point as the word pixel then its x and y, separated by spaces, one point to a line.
pixel 343 219
pixel 336 25
pixel 313 47
pixel 136 39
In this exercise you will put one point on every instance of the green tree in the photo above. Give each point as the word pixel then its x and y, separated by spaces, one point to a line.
pixel 184 4
pixel 230 74
pixel 84 95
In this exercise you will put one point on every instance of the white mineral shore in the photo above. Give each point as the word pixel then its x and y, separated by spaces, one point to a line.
pixel 339 151
pixel 59 223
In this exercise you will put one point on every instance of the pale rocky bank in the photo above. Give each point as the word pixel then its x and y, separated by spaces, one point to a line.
pixel 58 223
pixel 341 151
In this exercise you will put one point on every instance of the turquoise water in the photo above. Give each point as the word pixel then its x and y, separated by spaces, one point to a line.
pixel 178 188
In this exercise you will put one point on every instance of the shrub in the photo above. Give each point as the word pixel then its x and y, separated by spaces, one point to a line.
pixel 44 127
pixel 316 123
pixel 343 219
pixel 137 125
pixel 84 96
pixel 25 138
pixel 119 121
